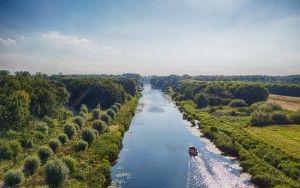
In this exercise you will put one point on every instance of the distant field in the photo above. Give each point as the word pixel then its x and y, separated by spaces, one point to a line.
pixel 290 103
pixel 286 138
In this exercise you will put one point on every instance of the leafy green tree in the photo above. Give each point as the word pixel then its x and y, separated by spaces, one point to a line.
pixel 201 100
pixel 14 110
pixel 55 172
pixel 251 93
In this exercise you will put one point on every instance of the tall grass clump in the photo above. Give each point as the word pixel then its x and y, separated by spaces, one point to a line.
pixel 111 113
pixel 115 108
pixel 96 113
pixel 55 172
pixel 9 149
pixel 79 121
pixel 44 152
pixel 63 138
pixel 54 144
pixel 70 163
pixel 99 125
pixel 106 118
pixel 69 129
pixel 31 165
pixel 81 145
pixel 13 178
pixel 84 109
pixel 88 135
pixel 118 105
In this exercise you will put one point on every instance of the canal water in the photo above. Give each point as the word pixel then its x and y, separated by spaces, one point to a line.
pixel 155 152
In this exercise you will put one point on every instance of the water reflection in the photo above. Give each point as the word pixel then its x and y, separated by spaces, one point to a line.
pixel 155 151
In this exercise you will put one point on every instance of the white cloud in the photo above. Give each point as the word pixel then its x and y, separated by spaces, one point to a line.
pixel 57 37
pixel 7 42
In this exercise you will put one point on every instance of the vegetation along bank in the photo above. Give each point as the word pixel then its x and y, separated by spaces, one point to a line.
pixel 236 117
pixel 63 131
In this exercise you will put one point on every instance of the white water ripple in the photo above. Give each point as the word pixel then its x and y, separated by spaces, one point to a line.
pixel 212 174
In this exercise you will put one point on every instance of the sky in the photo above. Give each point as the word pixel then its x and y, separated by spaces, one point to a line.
pixel 195 37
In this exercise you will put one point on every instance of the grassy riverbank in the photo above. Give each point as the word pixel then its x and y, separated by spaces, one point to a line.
pixel 269 165
pixel 93 165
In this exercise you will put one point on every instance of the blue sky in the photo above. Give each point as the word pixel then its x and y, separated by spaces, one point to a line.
pixel 162 37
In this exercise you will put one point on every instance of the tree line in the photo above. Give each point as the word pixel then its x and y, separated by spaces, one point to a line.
pixel 281 85
pixel 23 96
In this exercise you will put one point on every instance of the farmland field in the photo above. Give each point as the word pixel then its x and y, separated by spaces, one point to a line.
pixel 287 102
pixel 287 138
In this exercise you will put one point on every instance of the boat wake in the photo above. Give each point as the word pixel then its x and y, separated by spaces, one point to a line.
pixel 211 173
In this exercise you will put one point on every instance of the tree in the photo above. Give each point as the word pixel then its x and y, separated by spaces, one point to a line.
pixel 201 100
pixel 14 110
pixel 251 93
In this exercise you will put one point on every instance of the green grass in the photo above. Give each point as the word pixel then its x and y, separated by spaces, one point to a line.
pixel 286 138
pixel 93 165
pixel 269 166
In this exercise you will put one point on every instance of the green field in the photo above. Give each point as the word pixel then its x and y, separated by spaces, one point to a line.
pixel 286 138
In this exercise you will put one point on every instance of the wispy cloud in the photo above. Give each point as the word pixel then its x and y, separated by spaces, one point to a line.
pixel 62 39
pixel 7 42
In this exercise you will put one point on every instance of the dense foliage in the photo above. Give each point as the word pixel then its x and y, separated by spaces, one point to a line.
pixel 56 172
pixel 22 95
pixel 92 91
pixel 227 111
pixel 52 130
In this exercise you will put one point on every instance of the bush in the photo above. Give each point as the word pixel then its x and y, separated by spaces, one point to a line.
pixel 105 168
pixel 106 118
pixel 84 109
pixel 43 128
pixel 63 138
pixel 238 103
pixel 260 118
pixel 88 135
pixel 81 145
pixel 128 97
pixel 70 163
pixel 99 125
pixel 118 105
pixel 54 144
pixel 215 101
pixel 115 108
pixel 251 93
pixel 5 151
pixel 295 117
pixel 26 143
pixel 279 117
pixel 13 178
pixel 265 107
pixel 111 113
pixel 201 100
pixel 69 130
pixel 55 172
pixel 79 121
pixel 83 115
pixel 31 165
pixel 96 113
pixel 9 149
pixel 44 152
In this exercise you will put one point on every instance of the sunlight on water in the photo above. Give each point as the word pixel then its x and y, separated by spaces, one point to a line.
pixel 155 153
pixel 214 174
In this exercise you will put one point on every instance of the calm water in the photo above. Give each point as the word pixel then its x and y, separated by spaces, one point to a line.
pixel 155 154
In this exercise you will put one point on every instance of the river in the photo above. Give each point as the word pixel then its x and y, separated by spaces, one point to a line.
pixel 155 153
